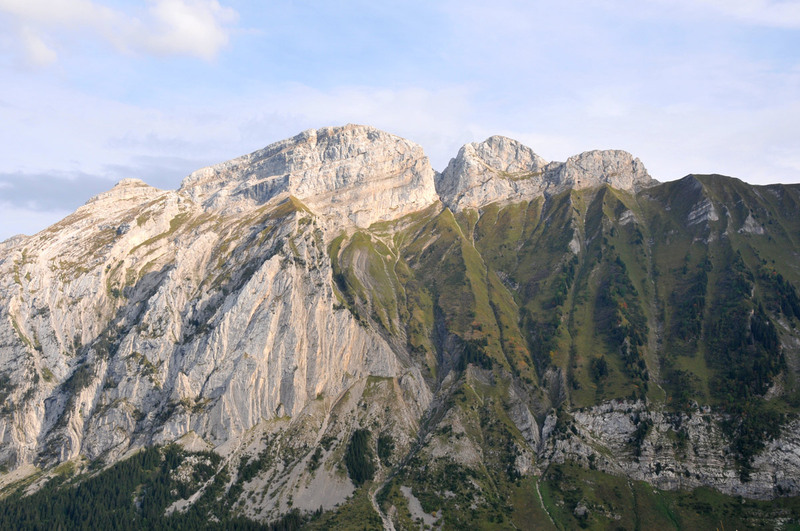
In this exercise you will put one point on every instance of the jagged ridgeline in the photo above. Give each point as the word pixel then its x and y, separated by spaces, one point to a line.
pixel 328 334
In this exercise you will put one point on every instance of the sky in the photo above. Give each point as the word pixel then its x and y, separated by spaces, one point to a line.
pixel 94 91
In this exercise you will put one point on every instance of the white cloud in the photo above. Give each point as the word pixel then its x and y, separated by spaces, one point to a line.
pixel 191 27
pixel 36 51
pixel 199 28
pixel 76 13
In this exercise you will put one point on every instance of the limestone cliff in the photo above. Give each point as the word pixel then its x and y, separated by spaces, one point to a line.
pixel 147 316
pixel 352 172
pixel 503 170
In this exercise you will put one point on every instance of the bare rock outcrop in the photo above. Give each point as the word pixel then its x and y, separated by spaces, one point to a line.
pixel 676 451
pixel 503 170
pixel 354 173
pixel 148 315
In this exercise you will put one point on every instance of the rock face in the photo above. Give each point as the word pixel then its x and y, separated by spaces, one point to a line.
pixel 604 433
pixel 619 169
pixel 498 169
pixel 353 172
pixel 149 315
pixel 503 170
pixel 260 311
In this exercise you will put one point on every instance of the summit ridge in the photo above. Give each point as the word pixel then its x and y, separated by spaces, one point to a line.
pixel 357 174
pixel 355 171
pixel 503 170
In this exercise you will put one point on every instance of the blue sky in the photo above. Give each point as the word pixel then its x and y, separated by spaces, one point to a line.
pixel 94 91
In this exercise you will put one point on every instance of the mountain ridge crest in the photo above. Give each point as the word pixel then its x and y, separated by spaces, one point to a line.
pixel 357 174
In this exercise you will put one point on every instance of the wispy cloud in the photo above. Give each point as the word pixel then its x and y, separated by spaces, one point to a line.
pixel 197 28
pixel 188 27
pixel 36 51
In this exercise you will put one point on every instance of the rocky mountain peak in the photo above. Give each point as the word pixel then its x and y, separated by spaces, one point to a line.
pixel 497 169
pixel 500 169
pixel 125 191
pixel 352 172
pixel 614 167
pixel 125 183
pixel 125 186
pixel 504 155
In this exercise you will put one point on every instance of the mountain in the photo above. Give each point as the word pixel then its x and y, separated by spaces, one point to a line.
pixel 501 170
pixel 329 333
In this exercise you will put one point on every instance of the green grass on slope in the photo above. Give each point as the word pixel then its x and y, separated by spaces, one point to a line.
pixel 364 275
pixel 559 294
